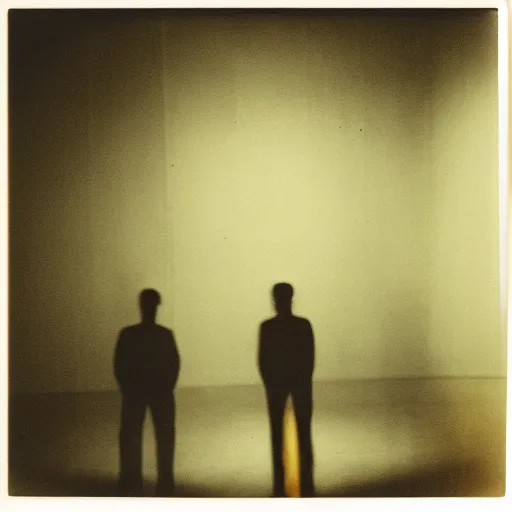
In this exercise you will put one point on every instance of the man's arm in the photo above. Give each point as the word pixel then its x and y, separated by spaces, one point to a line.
pixel 262 356
pixel 310 349
pixel 121 370
pixel 175 362
pixel 267 355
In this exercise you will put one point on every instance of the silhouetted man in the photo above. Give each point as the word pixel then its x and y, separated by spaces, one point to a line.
pixel 286 362
pixel 146 368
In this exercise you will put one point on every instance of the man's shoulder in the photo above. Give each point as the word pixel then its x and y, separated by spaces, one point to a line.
pixel 275 321
pixel 139 329
pixel 165 330
pixel 268 322
pixel 129 330
pixel 302 321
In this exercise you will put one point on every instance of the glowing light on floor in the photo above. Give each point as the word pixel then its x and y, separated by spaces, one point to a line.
pixel 291 456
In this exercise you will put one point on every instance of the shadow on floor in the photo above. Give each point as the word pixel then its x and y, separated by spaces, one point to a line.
pixel 462 479
pixel 81 484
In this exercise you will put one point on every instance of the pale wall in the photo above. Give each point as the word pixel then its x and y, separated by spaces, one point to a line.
pixel 211 158
pixel 465 323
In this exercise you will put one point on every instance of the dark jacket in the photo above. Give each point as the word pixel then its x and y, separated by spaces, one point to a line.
pixel 286 351
pixel 146 361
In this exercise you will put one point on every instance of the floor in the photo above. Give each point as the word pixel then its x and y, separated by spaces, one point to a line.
pixel 376 438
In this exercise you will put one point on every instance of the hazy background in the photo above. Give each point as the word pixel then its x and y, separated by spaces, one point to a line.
pixel 209 156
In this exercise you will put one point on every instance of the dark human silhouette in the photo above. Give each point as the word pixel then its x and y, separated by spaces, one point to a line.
pixel 286 363
pixel 146 367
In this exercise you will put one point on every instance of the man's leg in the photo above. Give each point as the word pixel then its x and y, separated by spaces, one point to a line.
pixel 303 404
pixel 163 412
pixel 130 446
pixel 276 399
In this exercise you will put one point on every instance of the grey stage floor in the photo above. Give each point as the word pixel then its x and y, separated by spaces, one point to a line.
pixel 377 438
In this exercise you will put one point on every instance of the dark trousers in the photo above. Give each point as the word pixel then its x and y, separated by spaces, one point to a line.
pixel 303 405
pixel 130 443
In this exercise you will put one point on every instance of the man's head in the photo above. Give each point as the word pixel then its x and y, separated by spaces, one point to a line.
pixel 149 300
pixel 283 294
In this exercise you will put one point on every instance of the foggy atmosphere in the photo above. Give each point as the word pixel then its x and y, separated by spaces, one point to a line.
pixel 255 253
